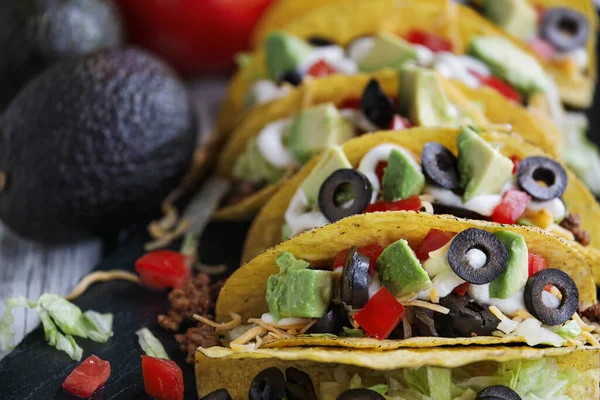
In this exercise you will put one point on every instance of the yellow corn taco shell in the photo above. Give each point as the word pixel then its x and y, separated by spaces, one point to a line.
pixel 265 231
pixel 218 367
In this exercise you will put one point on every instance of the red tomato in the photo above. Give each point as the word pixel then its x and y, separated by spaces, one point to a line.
pixel 320 69
pixel 500 86
pixel 513 205
pixel 163 379
pixel 536 263
pixel 88 377
pixel 516 161
pixel 411 204
pixel 380 315
pixel 351 103
pixel 461 289
pixel 163 269
pixel 373 251
pixel 193 35
pixel 434 240
pixel 398 123
pixel 542 48
pixel 380 170
pixel 432 42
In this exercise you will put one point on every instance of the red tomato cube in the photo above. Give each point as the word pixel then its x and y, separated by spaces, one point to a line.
pixel 536 263
pixel 381 315
pixel 513 205
pixel 434 240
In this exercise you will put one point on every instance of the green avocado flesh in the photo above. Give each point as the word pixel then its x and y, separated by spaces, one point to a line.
pixel 331 161
pixel 284 53
pixel 402 177
pixel 517 17
pixel 388 51
pixel 400 271
pixel 516 273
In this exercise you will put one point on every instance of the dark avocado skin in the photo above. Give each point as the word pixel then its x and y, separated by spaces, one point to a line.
pixel 34 34
pixel 93 144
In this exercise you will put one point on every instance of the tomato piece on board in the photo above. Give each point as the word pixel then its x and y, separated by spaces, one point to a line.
pixel 433 42
pixel 164 269
pixel 373 251
pixel 163 379
pixel 536 263
pixel 381 315
pixel 88 377
pixel 513 205
pixel 434 240
pixel 413 203
pixel 461 289
pixel 516 161
pixel 320 69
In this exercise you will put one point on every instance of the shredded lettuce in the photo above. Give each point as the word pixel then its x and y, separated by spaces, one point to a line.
pixel 151 345
pixel 570 330
pixel 353 332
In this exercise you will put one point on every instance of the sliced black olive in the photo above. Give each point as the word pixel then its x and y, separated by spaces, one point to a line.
pixel 318 41
pixel 457 212
pixel 220 394
pixel 565 28
pixel 299 385
pixel 466 318
pixel 498 392
pixel 440 165
pixel 424 322
pixel 269 384
pixel 376 106
pixel 563 282
pixel 293 77
pixel 332 322
pixel 344 180
pixel 495 253
pixel 354 290
pixel 360 394
pixel 532 170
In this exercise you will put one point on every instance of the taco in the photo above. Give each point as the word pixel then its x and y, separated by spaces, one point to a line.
pixel 274 141
pixel 389 280
pixel 434 374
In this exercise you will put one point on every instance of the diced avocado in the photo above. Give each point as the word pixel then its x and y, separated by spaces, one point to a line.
pixel 517 17
pixel 252 166
pixel 483 169
pixel 317 128
pixel 402 177
pixel 400 271
pixel 509 62
pixel 331 161
pixel 284 52
pixel 388 51
pixel 516 273
pixel 422 98
pixel 298 291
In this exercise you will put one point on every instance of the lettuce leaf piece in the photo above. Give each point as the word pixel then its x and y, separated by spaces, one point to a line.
pixel 381 388
pixel 151 345
pixel 6 334
pixel 439 381
pixel 98 327
pixel 570 330
pixel 417 379
pixel 55 338
pixel 353 332
pixel 66 315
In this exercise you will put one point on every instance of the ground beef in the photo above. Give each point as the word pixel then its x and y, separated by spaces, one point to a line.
pixel 572 223
pixel 197 297
pixel 592 313
pixel 241 190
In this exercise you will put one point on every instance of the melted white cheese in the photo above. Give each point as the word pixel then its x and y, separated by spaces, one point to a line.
pixel 270 145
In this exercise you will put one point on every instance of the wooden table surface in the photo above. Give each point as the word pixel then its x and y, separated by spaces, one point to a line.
pixel 30 269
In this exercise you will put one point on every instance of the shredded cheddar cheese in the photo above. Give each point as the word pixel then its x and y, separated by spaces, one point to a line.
pixel 236 320
pixel 424 304
pixel 101 276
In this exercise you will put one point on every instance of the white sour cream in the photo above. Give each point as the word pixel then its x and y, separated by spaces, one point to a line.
pixel 358 119
pixel 579 56
pixel 452 66
pixel 264 90
pixel 332 55
pixel 360 48
pixel 476 258
pixel 550 300
pixel 270 319
pixel 374 285
pixel 555 207
pixel 298 219
pixel 483 204
pixel 510 306
pixel 270 145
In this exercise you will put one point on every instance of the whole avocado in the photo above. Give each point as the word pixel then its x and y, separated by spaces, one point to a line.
pixel 93 144
pixel 36 33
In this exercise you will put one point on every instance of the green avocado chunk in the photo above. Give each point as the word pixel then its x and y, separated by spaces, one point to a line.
pixel 483 169
pixel 517 17
pixel 331 161
pixel 402 177
pixel 298 291
pixel 509 62
pixel 284 52
pixel 388 51
pixel 400 271
pixel 516 273
pixel 316 129
pixel 251 166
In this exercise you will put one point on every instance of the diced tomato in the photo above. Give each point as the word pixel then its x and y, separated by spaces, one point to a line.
pixel 163 269
pixel 536 263
pixel 320 69
pixel 434 240
pixel 542 48
pixel 380 170
pixel 432 42
pixel 163 379
pixel 461 289
pixel 516 161
pixel 411 204
pixel 373 251
pixel 499 85
pixel 88 377
pixel 398 123
pixel 513 205
pixel 381 315
pixel 351 103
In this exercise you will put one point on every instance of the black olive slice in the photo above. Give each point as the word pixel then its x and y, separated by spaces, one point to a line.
pixel 565 28
pixel 344 180
pixel 425 323
pixel 354 290
pixel 495 252
pixel 293 77
pixel 360 394
pixel 267 384
pixel 299 385
pixel 533 296
pixel 498 392
pixel 457 212
pixel 465 318
pixel 220 394
pixel 440 165
pixel 332 322
pixel 532 170
pixel 376 106
pixel 318 41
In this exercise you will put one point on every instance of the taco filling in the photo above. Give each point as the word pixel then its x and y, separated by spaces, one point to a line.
pixel 479 183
